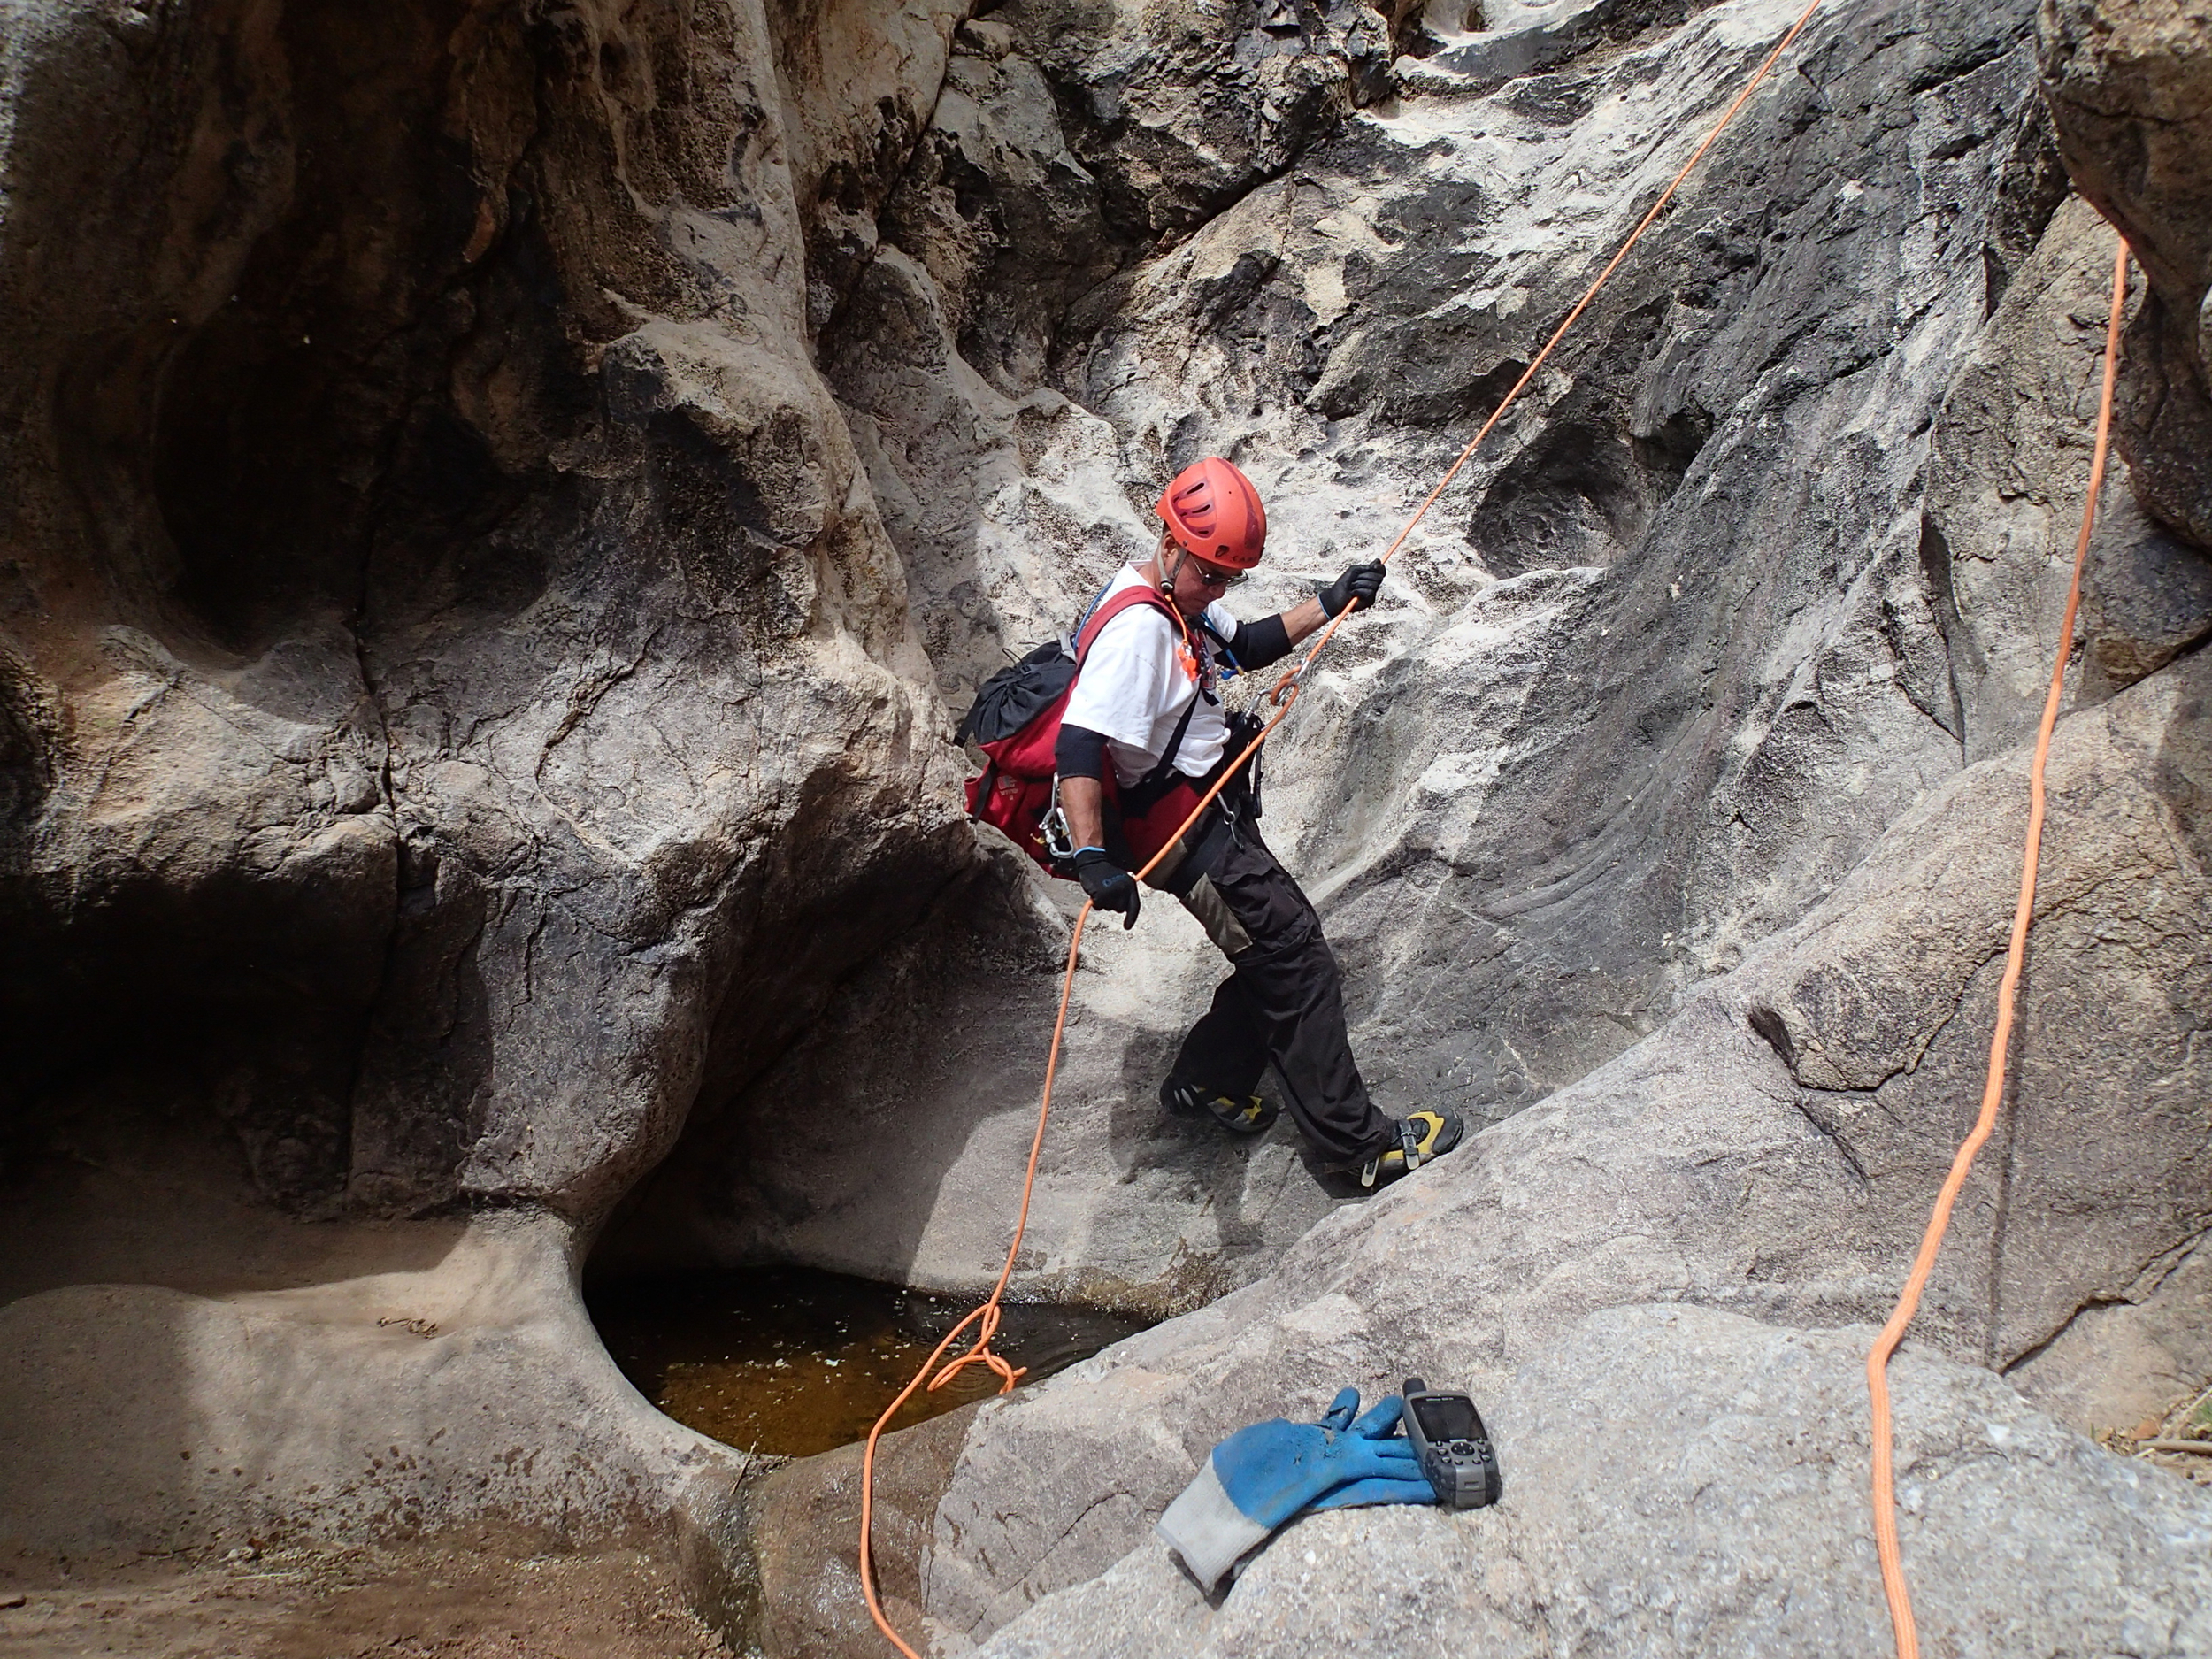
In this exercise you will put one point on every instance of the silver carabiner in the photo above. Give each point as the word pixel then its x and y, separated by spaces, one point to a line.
pixel 1053 830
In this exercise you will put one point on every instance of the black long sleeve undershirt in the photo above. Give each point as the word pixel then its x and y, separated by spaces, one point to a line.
pixel 1081 752
pixel 1257 644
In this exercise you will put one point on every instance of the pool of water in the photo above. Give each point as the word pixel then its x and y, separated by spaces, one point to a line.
pixel 793 1361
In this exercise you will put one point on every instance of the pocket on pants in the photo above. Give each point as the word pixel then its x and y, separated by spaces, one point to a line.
pixel 1204 900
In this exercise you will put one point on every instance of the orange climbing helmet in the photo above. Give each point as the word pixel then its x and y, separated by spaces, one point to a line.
pixel 1214 513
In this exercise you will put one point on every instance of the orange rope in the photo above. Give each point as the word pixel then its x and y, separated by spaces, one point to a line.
pixel 988 1313
pixel 1582 304
pixel 1285 697
pixel 1992 1090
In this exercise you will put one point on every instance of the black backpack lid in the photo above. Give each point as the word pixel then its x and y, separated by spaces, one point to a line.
pixel 1017 693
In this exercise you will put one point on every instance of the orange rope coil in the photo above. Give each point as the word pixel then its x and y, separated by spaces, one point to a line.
pixel 1285 697
pixel 1885 1497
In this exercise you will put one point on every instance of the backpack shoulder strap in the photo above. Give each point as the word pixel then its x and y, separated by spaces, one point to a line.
pixel 1228 652
pixel 1166 765
pixel 1112 606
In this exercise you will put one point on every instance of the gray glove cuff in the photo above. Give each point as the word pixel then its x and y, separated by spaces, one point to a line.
pixel 1208 1531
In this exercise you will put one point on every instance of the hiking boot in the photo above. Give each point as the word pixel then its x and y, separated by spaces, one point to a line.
pixel 1249 1116
pixel 1422 1136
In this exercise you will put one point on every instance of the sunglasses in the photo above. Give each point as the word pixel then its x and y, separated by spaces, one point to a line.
pixel 1214 578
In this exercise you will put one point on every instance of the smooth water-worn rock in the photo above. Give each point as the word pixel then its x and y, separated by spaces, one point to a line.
pixel 503 508
pixel 460 703
pixel 434 551
pixel 1911 489
pixel 417 1396
pixel 802 1521
pixel 1721 1462
pixel 1778 542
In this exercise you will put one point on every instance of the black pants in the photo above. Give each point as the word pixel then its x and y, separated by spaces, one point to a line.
pixel 1284 1003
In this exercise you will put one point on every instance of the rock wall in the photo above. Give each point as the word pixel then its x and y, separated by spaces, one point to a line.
pixel 432 525
pixel 1777 544
pixel 501 502
pixel 460 699
pixel 2130 88
pixel 1730 755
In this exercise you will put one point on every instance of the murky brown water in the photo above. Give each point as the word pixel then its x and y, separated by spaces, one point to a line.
pixel 793 1361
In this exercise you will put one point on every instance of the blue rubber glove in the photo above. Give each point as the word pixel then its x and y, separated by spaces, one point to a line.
pixel 1260 1477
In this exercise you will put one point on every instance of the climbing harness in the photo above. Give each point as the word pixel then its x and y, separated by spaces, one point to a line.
pixel 1885 1498
pixel 1285 697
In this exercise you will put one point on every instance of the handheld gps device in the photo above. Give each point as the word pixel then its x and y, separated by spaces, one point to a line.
pixel 1456 1457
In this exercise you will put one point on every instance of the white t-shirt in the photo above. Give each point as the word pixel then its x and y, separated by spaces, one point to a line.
pixel 1134 689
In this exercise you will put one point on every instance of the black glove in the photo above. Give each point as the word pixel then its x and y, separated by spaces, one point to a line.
pixel 1111 886
pixel 1358 585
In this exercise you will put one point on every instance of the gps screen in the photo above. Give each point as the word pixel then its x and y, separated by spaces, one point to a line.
pixel 1447 1418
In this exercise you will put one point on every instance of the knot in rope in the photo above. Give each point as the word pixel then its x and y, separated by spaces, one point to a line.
pixel 983 1354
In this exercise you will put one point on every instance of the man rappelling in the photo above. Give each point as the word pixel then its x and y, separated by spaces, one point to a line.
pixel 1142 736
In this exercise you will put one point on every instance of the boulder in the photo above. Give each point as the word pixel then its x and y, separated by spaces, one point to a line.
pixel 1686 1480
pixel 801 1524
pixel 446 1381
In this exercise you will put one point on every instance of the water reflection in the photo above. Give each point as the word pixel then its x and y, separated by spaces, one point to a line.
pixel 794 1361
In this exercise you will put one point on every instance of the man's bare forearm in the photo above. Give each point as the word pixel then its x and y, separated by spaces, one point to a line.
pixel 1084 800
pixel 1302 618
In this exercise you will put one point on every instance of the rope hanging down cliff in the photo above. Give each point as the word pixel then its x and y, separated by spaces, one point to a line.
pixel 1894 1587
pixel 1285 697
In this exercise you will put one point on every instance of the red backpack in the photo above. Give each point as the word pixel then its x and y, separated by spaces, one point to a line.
pixel 1015 720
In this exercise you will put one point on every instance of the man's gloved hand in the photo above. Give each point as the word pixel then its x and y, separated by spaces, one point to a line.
pixel 1109 886
pixel 1260 1477
pixel 1358 585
